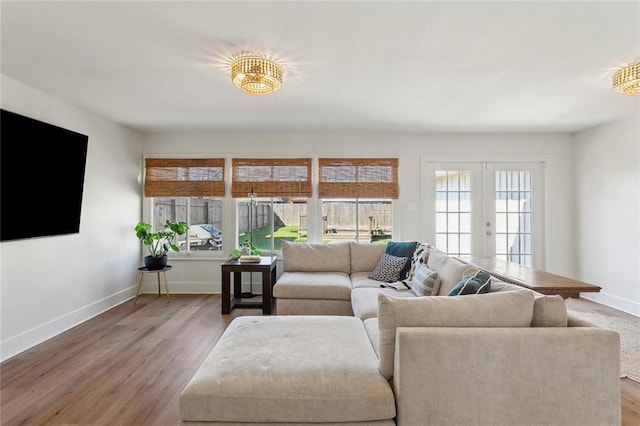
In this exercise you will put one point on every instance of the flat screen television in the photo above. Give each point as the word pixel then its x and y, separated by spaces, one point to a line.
pixel 41 178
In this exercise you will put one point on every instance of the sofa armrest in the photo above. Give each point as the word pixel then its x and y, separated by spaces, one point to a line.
pixel 507 376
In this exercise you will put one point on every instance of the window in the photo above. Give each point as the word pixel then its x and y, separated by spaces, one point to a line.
pixel 486 209
pixel 356 219
pixel 513 216
pixel 357 196
pixel 453 212
pixel 271 200
pixel 189 190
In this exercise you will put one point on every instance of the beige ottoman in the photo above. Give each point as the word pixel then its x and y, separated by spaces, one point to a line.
pixel 290 369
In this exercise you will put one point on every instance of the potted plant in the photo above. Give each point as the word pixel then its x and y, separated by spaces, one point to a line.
pixel 159 243
pixel 246 249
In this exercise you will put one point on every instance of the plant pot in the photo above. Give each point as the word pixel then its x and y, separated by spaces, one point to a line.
pixel 155 263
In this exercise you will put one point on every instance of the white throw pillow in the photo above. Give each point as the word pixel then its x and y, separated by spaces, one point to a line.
pixel 425 281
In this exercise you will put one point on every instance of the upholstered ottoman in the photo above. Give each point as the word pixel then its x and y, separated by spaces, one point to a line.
pixel 290 369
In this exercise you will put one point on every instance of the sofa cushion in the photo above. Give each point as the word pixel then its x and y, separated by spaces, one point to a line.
pixel 361 279
pixel 402 249
pixel 450 273
pixel 419 257
pixel 477 282
pixel 425 281
pixel 373 332
pixel 503 309
pixel 549 311
pixel 316 257
pixel 388 268
pixel 436 259
pixel 364 301
pixel 313 285
pixel 497 285
pixel 303 369
pixel 365 256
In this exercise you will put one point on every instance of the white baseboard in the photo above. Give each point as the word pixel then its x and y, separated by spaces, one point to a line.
pixel 20 343
pixel 612 301
pixel 23 341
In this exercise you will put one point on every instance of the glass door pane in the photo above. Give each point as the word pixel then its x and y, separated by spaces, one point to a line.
pixel 513 216
pixel 514 226
pixel 485 209
pixel 453 211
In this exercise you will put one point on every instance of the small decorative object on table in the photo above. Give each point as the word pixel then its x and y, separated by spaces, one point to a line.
pixel 249 258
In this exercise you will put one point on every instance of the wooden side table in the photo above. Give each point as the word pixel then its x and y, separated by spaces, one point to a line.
pixel 144 270
pixel 266 266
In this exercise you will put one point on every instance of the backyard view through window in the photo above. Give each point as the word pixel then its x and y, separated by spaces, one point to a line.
pixel 270 196
pixel 265 222
pixel 277 219
pixel 356 219
pixel 202 214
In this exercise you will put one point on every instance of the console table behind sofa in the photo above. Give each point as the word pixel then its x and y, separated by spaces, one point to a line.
pixel 540 281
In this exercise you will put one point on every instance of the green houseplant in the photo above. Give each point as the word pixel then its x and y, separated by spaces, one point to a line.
pixel 159 243
pixel 246 248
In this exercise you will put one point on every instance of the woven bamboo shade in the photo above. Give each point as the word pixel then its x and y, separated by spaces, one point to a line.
pixel 271 177
pixel 358 178
pixel 184 177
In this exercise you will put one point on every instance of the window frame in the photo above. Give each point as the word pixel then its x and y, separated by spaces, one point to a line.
pixel 188 190
pixel 231 203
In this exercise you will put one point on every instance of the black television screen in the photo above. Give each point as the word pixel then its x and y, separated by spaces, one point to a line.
pixel 41 178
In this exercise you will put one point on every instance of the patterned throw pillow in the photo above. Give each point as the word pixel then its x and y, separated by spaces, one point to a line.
pixel 402 249
pixel 419 257
pixel 475 283
pixel 388 268
pixel 425 282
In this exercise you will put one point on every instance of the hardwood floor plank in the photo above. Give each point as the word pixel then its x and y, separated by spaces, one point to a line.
pixel 128 365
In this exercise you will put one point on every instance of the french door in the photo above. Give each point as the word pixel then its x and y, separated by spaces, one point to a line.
pixel 485 209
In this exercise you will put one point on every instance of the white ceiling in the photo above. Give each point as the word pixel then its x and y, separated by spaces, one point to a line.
pixel 378 66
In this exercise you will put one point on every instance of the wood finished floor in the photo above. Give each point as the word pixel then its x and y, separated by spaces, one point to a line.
pixel 129 365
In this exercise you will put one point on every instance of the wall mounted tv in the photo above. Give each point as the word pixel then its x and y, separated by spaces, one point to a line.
pixel 41 178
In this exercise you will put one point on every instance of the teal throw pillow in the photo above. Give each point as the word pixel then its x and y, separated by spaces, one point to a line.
pixel 475 283
pixel 402 249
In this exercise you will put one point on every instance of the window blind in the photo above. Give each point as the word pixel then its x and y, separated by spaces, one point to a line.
pixel 271 177
pixel 184 177
pixel 358 178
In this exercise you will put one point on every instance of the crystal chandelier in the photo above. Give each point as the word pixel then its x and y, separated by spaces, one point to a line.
pixel 256 75
pixel 627 79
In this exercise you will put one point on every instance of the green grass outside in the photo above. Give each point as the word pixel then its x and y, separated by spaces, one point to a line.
pixel 262 237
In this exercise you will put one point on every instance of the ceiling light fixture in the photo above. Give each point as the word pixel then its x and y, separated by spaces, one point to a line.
pixel 256 75
pixel 627 79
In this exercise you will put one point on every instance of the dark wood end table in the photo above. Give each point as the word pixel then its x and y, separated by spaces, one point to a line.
pixel 266 266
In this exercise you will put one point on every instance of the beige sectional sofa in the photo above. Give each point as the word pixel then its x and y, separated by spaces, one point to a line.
pixel 345 351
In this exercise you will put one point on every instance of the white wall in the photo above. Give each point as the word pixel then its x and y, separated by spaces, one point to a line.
pixel 607 226
pixel 196 275
pixel 50 284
